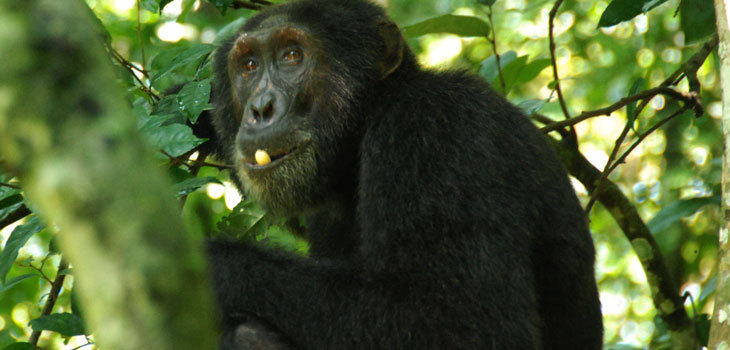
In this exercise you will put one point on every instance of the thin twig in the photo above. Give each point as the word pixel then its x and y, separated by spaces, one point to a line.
pixel 644 135
pixel 88 342
pixel 131 68
pixel 690 99
pixel 690 65
pixel 551 20
pixel 52 297
pixel 139 33
pixel 5 184
pixel 493 40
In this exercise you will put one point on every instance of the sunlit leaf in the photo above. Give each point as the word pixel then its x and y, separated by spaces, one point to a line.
pixel 20 346
pixel 66 324
pixel 697 19
pixel 453 24
pixel 624 10
pixel 708 289
pixel 17 240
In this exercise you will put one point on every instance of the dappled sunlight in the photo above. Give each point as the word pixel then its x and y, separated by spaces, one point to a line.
pixel 439 49
pixel 173 32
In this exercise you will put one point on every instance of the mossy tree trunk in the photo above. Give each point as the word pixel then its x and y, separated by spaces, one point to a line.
pixel 68 134
pixel 720 329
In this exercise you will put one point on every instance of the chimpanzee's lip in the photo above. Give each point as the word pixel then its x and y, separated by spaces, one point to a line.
pixel 276 158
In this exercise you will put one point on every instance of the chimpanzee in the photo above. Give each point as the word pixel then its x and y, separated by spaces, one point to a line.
pixel 438 217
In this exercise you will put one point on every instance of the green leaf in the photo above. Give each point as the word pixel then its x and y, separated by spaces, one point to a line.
pixel 708 289
pixel 193 98
pixel 221 5
pixel 631 107
pixel 20 346
pixel 174 139
pixel 229 30
pixel 511 72
pixel 248 220
pixel 192 184
pixel 624 10
pixel 10 203
pixel 17 240
pixel 488 67
pixel 697 19
pixel 487 2
pixel 172 59
pixel 187 5
pixel 168 105
pixel 66 324
pixel 15 280
pixel 453 24
pixel 530 107
pixel 532 69
pixel 670 214
pixel 151 5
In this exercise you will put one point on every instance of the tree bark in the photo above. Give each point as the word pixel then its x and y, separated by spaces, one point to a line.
pixel 68 134
pixel 720 328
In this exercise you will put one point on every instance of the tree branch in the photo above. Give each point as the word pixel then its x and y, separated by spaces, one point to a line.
pixel 52 297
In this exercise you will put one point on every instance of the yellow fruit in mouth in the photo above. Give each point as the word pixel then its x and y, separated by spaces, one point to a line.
pixel 262 158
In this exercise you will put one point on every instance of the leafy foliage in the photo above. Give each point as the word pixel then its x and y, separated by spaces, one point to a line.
pixel 66 324
pixel 624 10
pixel 459 25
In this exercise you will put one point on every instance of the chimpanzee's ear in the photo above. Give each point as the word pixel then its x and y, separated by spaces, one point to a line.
pixel 394 47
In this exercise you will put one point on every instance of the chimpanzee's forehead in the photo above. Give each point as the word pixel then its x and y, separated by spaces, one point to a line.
pixel 273 22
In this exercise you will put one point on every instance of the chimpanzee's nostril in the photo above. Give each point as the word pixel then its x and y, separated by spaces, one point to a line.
pixel 262 108
pixel 268 110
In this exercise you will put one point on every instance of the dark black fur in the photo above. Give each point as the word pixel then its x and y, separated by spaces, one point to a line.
pixel 438 216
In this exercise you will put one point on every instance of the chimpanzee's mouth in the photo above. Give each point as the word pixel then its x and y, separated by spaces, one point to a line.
pixel 276 157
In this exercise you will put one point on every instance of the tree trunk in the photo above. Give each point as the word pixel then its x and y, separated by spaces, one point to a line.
pixel 720 329
pixel 67 133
